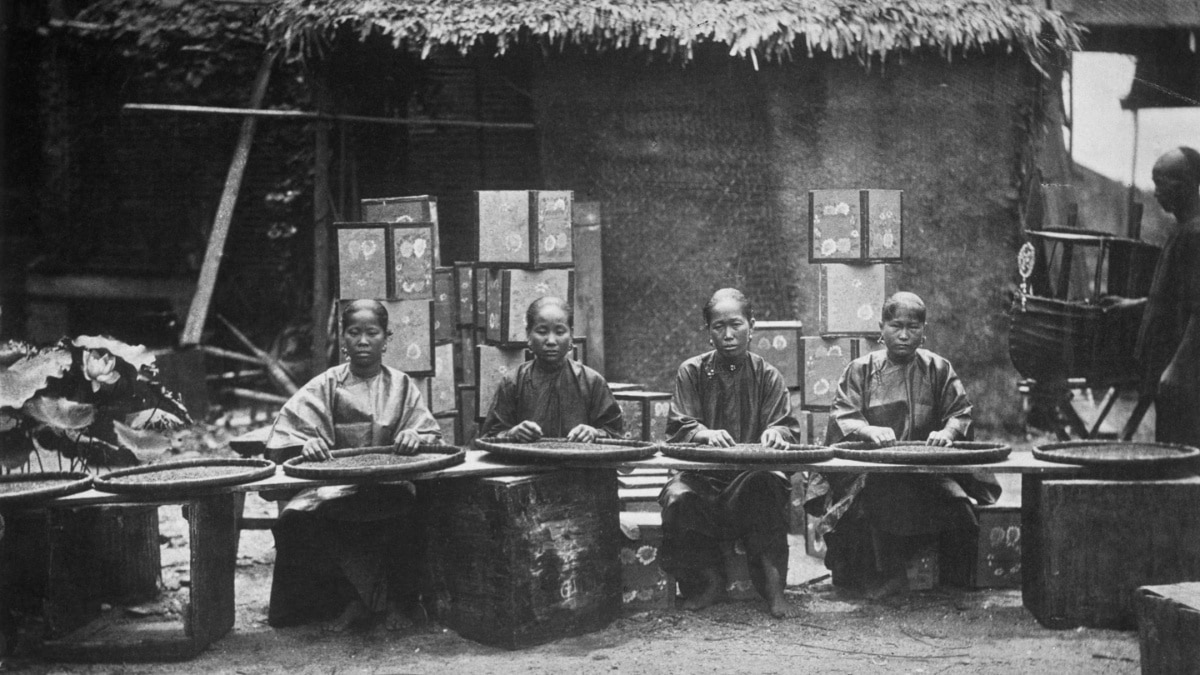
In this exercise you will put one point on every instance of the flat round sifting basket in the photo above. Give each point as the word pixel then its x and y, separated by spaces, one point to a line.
pixel 31 487
pixel 173 478
pixel 743 453
pixel 1116 453
pixel 961 452
pixel 375 463
pixel 560 449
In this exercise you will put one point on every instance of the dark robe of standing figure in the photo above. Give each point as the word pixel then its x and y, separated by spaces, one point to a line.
pixel 1173 302
pixel 334 544
pixel 558 399
pixel 705 513
pixel 872 523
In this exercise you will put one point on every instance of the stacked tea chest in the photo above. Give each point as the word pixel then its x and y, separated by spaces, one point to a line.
pixel 853 234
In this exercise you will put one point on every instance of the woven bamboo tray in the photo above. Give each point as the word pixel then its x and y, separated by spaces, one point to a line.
pixel 560 449
pixel 1116 453
pixel 962 452
pixel 28 487
pixel 743 453
pixel 376 463
pixel 173 478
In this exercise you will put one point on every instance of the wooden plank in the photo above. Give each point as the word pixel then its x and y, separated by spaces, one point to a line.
pixel 641 494
pixel 198 313
pixel 107 641
pixel 323 306
pixel 213 541
pixel 305 116
pixel 587 243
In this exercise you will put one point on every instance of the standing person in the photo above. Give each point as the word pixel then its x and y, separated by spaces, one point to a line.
pixel 349 551
pixel 552 396
pixel 725 397
pixel 875 523
pixel 1168 345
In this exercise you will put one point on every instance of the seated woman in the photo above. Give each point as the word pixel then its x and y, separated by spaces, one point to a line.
pixel 726 397
pixel 350 551
pixel 875 523
pixel 552 396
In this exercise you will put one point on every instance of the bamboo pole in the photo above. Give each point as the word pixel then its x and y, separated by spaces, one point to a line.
pixel 198 313
pixel 306 116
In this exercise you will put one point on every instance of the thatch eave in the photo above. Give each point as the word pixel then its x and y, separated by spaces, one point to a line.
pixel 763 29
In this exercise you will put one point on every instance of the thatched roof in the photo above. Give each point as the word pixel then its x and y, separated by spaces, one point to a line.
pixel 762 29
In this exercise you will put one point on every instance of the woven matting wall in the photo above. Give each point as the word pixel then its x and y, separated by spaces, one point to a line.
pixel 703 173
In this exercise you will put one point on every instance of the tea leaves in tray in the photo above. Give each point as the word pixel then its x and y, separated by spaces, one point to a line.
pixel 183 473
pixel 372 459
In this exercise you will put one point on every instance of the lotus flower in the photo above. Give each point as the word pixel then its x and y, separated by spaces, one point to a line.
pixel 100 368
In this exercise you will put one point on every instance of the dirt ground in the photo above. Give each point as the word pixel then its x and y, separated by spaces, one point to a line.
pixel 940 631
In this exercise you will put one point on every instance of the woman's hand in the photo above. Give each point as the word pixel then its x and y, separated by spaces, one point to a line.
pixel 716 437
pixel 525 432
pixel 583 434
pixel 941 438
pixel 315 450
pixel 878 436
pixel 407 442
pixel 772 438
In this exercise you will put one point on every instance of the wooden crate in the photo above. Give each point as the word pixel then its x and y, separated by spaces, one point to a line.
pixel 997 562
pixel 1088 544
pixel 503 218
pixel 850 299
pixel 492 363
pixel 464 355
pixel 847 226
pixel 825 359
pixel 410 347
pixel 392 261
pixel 464 293
pixel 511 291
pixel 468 415
pixel 1169 628
pixel 445 309
pixel 414 209
pixel 448 421
pixel 517 561
pixel 645 414
pixel 778 342
pixel 818 424
pixel 480 279
pixel 644 584
pixel 550 228
pixel 441 384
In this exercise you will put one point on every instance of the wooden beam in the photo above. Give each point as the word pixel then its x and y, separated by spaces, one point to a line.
pixel 322 219
pixel 198 313
pixel 305 116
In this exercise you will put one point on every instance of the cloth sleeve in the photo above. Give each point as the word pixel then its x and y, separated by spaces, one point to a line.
pixel 416 415
pixel 603 411
pixel 777 406
pixel 954 404
pixel 686 408
pixel 503 414
pixel 305 416
pixel 846 417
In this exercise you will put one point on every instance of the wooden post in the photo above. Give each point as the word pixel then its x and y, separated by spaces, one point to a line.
pixel 321 221
pixel 194 328
pixel 587 243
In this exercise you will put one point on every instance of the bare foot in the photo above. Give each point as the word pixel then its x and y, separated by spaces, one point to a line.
pixel 777 603
pixel 893 586
pixel 354 612
pixel 396 618
pixel 712 590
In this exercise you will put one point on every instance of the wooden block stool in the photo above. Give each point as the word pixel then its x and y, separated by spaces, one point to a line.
pixel 1088 544
pixel 1169 628
pixel 516 561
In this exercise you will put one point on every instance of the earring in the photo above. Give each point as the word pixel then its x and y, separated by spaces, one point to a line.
pixel 879 339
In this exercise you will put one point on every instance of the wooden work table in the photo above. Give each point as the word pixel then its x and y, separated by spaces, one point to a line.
pixel 480 464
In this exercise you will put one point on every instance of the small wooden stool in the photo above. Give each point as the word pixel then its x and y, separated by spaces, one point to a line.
pixel 1169 628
